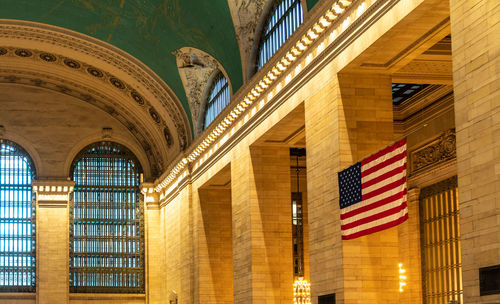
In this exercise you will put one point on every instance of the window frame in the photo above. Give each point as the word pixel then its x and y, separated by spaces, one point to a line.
pixel 31 221
pixel 128 156
pixel 261 31
pixel 209 100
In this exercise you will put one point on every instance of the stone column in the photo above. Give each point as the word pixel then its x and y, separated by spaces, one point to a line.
pixel 475 28
pixel 409 250
pixel 155 246
pixel 366 126
pixel 349 119
pixel 323 150
pixel 52 240
pixel 262 226
pixel 215 249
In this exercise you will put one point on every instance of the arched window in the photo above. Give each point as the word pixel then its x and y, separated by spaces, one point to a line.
pixel 107 225
pixel 17 219
pixel 218 98
pixel 284 18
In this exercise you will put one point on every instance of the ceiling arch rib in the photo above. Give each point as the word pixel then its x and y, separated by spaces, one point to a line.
pixel 144 135
pixel 101 75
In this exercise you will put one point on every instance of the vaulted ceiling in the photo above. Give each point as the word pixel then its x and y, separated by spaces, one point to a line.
pixel 124 57
pixel 148 30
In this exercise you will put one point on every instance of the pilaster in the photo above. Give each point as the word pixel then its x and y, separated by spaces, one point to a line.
pixel 155 246
pixel 52 239
pixel 409 250
pixel 262 226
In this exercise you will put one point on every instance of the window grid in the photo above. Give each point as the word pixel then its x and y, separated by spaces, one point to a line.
pixel 107 225
pixel 17 220
pixel 218 99
pixel 440 238
pixel 285 17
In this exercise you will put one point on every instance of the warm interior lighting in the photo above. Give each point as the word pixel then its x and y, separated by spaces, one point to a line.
pixel 312 35
pixel 402 278
pixel 301 291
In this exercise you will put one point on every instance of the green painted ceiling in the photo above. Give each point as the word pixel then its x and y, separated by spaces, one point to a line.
pixel 311 4
pixel 150 30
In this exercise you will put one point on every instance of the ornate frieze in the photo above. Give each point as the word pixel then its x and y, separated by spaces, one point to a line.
pixel 87 94
pixel 434 152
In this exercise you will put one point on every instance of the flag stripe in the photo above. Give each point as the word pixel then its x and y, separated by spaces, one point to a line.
pixel 375 223
pixel 388 150
pixel 390 210
pixel 388 178
pixel 383 164
pixel 385 188
pixel 387 200
pixel 376 228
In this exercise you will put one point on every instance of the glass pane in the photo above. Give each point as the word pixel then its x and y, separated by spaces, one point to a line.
pixel 218 99
pixel 17 220
pixel 285 17
pixel 107 229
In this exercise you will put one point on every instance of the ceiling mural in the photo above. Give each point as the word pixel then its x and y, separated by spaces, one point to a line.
pixel 148 30
pixel 145 63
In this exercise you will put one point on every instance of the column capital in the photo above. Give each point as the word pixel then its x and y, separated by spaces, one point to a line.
pixel 53 193
pixel 151 197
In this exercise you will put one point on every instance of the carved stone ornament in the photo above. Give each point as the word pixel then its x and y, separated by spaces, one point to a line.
pixel 195 68
pixel 433 153
pixel 246 14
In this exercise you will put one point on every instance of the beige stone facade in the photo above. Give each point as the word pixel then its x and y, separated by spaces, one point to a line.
pixel 218 219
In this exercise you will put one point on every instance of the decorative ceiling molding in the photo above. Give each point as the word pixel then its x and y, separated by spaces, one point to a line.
pixel 148 141
pixel 246 15
pixel 195 68
pixel 124 67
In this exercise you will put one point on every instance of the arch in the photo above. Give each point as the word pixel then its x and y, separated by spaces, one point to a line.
pixel 101 75
pixel 17 206
pixel 27 147
pixel 263 21
pixel 106 208
pixel 135 148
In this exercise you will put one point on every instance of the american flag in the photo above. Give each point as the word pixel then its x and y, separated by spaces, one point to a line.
pixel 373 192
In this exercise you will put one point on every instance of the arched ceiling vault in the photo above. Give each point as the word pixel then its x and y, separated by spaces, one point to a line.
pixel 148 30
pixel 120 56
pixel 152 30
pixel 98 74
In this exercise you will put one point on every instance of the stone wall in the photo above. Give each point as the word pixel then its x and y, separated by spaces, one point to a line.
pixel 474 30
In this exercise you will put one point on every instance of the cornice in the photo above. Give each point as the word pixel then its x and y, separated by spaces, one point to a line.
pixel 53 193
